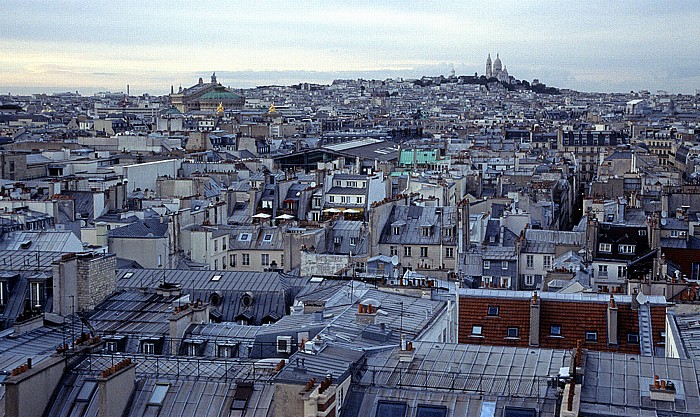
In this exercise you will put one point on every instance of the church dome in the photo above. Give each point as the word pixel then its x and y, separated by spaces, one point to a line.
pixel 497 65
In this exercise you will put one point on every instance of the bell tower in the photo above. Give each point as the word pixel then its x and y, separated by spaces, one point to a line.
pixel 489 70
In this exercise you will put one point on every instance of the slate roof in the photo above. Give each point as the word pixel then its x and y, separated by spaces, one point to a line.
pixel 39 241
pixel 619 385
pixel 415 217
pixel 141 229
pixel 465 379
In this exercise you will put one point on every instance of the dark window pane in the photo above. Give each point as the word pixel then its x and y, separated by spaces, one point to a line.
pixel 431 411
pixel 519 412
pixel 391 409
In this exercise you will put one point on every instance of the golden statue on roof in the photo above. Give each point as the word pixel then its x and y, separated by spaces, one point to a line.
pixel 272 108
pixel 220 108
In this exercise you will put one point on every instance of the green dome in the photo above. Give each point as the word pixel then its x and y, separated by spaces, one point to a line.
pixel 220 95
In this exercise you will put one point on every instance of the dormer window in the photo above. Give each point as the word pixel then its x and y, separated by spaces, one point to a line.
pixel 3 295
pixel 267 238
pixel 425 230
pixel 396 230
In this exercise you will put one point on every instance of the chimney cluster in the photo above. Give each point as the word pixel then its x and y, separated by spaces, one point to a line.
pixel 310 384
pixel 116 368
pixel 662 390
pixel 327 381
pixel 22 368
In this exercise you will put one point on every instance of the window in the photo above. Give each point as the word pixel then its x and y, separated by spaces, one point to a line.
pixel 407 251
pixel 192 349
pixel 332 199
pixel 448 232
pixel 396 230
pixel 529 280
pixel 353 241
pixel 284 344
pixel 267 237
pixel 555 330
pixel 216 245
pixel 547 262
pixel 227 350
pixel 449 252
pixel 216 264
pixel 281 260
pixel 477 330
pixel 513 332
pixel 642 233
pixel 337 240
pixel 391 409
pixel 493 310
pixel 393 251
pixel 591 336
pixel 487 264
pixel 626 249
pixel 86 391
pixel 244 237
pixel 431 411
pixel 233 261
pixel 529 261
pixel 602 270
pixel 358 200
pixel 158 394
pixel 223 243
pixel 674 233
pixel 245 259
pixel 3 294
pixel 504 265
pixel 632 338
pixel 423 251
pixel 605 247
pixel 36 296
pixel 425 230
pixel 148 348
pixel 265 259
pixel 505 282
pixel 621 271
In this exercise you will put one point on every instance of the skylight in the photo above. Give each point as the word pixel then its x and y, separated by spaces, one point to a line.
pixel 216 278
pixel 158 394
pixel 86 391
pixel 128 275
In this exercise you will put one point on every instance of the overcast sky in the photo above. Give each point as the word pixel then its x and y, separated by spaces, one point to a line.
pixel 63 45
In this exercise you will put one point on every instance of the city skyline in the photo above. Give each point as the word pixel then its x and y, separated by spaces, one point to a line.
pixel 597 46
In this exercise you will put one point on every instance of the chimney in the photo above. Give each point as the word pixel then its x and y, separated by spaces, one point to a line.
pixel 181 319
pixel 366 314
pixel 25 382
pixel 535 320
pixel 115 386
pixel 612 321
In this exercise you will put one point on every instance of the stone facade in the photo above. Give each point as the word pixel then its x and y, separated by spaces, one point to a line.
pixel 96 279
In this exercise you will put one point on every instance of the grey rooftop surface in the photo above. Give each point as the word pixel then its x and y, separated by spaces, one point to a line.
pixel 618 385
pixel 465 379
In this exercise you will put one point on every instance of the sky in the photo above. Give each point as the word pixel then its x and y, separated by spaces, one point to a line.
pixel 151 45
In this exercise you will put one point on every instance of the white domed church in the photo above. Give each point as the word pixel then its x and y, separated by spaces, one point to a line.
pixel 496 69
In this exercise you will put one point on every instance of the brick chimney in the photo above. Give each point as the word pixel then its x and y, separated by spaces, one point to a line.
pixel 535 320
pixel 612 322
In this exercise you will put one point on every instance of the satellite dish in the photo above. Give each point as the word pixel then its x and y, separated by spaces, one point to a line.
pixel 395 260
pixel 664 214
pixel 313 183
